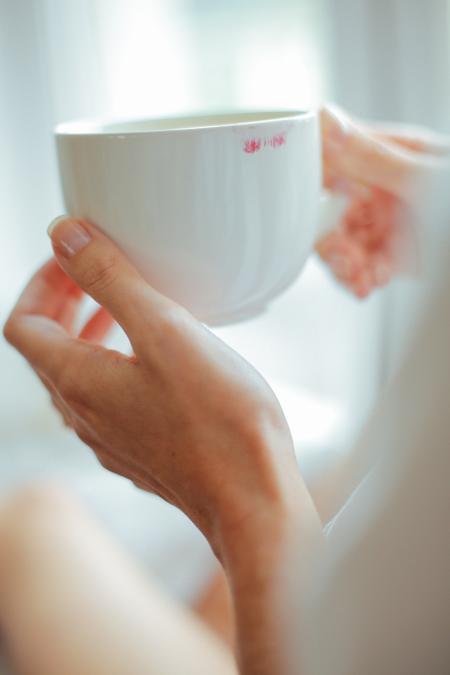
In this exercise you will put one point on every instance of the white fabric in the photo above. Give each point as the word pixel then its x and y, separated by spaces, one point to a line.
pixel 381 602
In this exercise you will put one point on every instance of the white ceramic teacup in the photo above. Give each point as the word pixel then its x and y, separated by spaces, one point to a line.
pixel 218 212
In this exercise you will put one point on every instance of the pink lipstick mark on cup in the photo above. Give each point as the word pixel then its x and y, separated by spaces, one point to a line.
pixel 252 145
pixel 255 144
pixel 277 140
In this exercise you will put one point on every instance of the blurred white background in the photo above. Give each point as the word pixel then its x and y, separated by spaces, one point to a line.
pixel 324 353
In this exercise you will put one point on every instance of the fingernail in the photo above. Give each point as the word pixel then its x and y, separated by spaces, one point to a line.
pixel 54 223
pixel 68 236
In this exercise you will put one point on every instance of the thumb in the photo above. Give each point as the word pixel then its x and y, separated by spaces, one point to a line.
pixel 100 268
pixel 352 153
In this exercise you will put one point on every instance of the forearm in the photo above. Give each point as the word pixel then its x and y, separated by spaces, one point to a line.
pixel 281 543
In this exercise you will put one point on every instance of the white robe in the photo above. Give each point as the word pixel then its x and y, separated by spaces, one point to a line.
pixel 380 603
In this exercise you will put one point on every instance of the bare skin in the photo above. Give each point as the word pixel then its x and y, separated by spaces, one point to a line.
pixel 380 168
pixel 72 603
pixel 214 607
pixel 187 418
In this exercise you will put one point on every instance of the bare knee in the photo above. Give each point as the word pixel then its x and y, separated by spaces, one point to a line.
pixel 35 501
pixel 30 518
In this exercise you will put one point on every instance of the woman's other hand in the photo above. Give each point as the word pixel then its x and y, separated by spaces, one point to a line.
pixel 381 170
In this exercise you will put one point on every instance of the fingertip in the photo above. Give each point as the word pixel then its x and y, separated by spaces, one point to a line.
pixel 328 244
pixel 381 273
pixel 362 289
pixel 342 267
pixel 54 224
pixel 69 237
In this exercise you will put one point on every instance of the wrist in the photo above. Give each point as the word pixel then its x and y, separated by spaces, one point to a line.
pixel 257 511
pixel 256 531
pixel 261 554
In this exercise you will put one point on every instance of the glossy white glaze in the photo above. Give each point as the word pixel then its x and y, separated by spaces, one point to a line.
pixel 219 214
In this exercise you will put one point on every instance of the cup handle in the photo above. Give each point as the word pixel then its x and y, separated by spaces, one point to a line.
pixel 332 208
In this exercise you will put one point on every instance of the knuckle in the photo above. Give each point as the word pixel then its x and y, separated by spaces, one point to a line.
pixel 106 463
pixel 110 464
pixel 66 381
pixel 142 486
pixel 100 275
pixel 73 380
pixel 9 330
pixel 88 383
pixel 84 436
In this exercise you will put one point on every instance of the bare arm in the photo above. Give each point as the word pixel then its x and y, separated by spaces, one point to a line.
pixel 184 417
pixel 260 559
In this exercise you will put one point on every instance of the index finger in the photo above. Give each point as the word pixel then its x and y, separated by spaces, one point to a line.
pixel 44 343
pixel 33 327
pixel 50 293
pixel 354 154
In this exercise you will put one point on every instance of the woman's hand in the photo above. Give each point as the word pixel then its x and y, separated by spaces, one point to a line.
pixel 184 416
pixel 381 169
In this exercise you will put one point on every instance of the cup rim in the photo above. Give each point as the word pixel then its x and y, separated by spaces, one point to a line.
pixel 98 126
